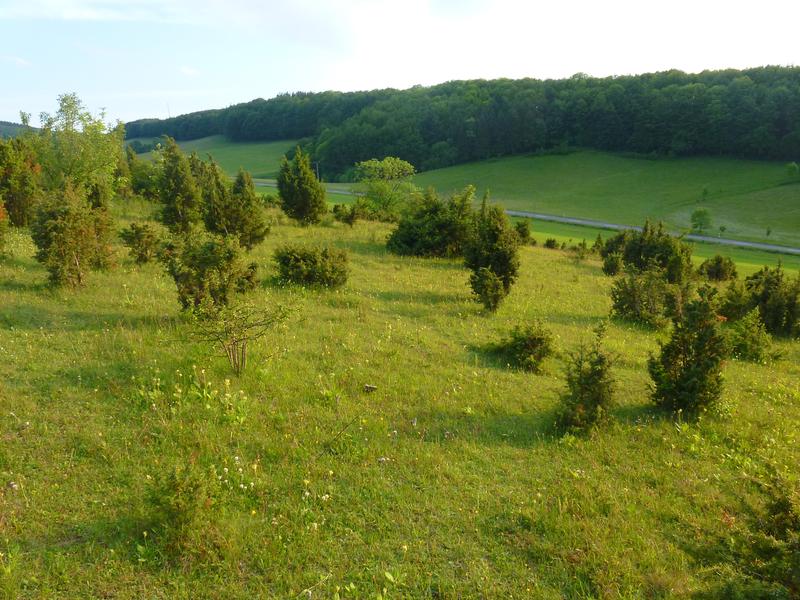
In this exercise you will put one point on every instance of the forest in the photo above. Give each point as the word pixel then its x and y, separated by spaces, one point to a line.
pixel 753 113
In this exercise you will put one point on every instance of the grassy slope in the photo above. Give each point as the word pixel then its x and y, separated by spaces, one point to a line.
pixel 449 477
pixel 262 159
pixel 745 196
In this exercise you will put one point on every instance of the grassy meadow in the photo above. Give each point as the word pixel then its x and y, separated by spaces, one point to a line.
pixel 448 481
pixel 261 159
pixel 745 196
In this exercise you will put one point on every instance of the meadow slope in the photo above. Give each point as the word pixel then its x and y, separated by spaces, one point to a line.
pixel 746 197
pixel 449 481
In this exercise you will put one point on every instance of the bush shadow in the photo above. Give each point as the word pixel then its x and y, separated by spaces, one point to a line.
pixel 497 428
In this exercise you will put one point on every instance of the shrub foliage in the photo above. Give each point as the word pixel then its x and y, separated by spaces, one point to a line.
pixel 652 247
pixel 302 195
pixel 687 375
pixel 142 240
pixel 72 237
pixel 526 347
pixel 312 265
pixel 590 386
pixel 718 268
pixel 207 268
pixel 435 227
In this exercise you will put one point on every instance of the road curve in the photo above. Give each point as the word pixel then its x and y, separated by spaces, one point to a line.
pixel 615 226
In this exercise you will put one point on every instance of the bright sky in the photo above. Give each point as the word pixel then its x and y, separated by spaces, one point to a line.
pixel 153 58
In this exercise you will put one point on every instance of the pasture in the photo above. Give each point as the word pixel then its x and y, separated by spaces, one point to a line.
pixel 447 481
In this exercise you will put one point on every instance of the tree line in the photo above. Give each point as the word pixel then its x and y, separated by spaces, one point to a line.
pixel 753 113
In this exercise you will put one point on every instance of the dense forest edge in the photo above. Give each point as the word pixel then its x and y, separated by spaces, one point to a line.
pixel 752 113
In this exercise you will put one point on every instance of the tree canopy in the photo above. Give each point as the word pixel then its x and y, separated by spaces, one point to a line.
pixel 747 113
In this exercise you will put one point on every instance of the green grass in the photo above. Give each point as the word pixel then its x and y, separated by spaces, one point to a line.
pixel 262 159
pixel 745 196
pixel 447 482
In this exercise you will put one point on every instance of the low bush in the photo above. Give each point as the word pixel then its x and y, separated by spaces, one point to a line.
pixel 590 386
pixel 687 374
pixel 488 288
pixel 312 265
pixel 207 268
pixel 748 338
pixel 182 503
pixel 523 230
pixel 736 301
pixel 641 297
pixel 142 241
pixel 72 237
pixel 777 298
pixel 526 347
pixel 612 263
pixel 551 243
pixel 435 227
pixel 718 268
pixel 652 247
pixel 493 245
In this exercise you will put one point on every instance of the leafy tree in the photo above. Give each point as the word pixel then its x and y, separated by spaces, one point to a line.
pixel 207 268
pixel 701 220
pixel 19 179
pixel 435 227
pixel 493 245
pixel 385 187
pixel 302 195
pixel 72 236
pixel 79 149
pixel 687 375
pixel 180 198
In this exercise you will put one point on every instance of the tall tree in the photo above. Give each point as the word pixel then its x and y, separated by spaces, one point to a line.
pixel 178 190
pixel 77 148
pixel 302 195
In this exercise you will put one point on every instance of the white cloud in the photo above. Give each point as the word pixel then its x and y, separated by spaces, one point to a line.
pixel 16 61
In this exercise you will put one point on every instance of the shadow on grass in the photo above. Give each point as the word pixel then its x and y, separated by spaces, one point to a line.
pixel 520 430
pixel 12 285
pixel 26 317
pixel 421 297
pixel 364 248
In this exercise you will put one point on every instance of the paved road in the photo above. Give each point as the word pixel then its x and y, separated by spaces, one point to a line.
pixel 604 225
pixel 693 237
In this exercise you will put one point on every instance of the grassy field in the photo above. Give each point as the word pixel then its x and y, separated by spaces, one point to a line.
pixel 746 197
pixel 449 481
pixel 262 159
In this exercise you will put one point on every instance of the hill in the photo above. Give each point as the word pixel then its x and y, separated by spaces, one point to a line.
pixel 8 129
pixel 746 197
pixel 752 113
pixel 448 481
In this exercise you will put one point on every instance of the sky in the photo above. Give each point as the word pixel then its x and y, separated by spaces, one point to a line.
pixel 158 58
